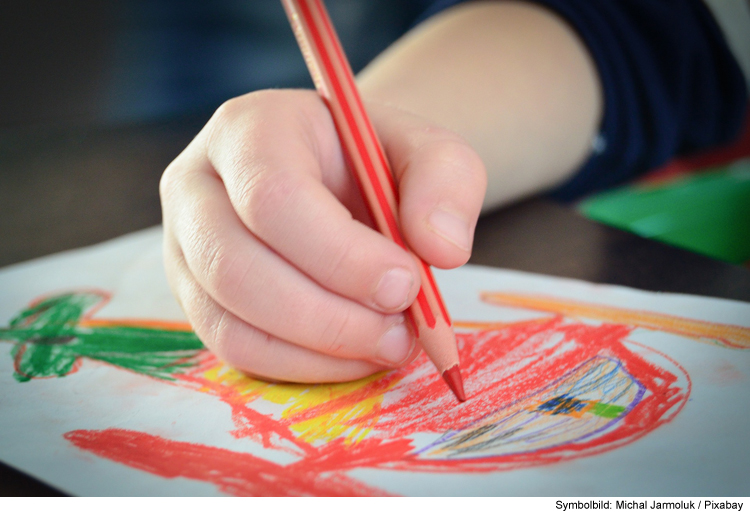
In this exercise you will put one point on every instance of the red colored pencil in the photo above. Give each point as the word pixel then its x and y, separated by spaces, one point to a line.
pixel 334 81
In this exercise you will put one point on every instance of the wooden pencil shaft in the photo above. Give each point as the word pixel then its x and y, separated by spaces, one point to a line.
pixel 334 81
pixel 331 73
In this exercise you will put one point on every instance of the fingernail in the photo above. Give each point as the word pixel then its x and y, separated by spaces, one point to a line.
pixel 395 346
pixel 451 227
pixel 393 289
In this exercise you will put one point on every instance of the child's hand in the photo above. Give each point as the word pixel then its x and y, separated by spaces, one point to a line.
pixel 267 244
pixel 269 248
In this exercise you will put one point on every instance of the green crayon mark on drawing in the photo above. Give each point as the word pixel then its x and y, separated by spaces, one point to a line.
pixel 53 334
pixel 570 406
pixel 607 410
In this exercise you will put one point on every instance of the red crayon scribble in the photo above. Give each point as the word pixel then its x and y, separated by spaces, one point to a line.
pixel 507 365
pixel 234 473
pixel 537 395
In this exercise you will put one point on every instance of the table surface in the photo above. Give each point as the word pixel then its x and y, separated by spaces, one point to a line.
pixel 70 187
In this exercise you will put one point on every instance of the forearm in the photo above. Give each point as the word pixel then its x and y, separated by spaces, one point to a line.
pixel 510 77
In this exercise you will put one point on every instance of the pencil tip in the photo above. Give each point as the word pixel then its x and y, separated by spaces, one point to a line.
pixel 452 376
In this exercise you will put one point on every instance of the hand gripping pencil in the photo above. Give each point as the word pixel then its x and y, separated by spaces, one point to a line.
pixel 334 81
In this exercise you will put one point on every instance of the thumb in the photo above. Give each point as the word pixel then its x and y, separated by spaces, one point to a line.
pixel 441 182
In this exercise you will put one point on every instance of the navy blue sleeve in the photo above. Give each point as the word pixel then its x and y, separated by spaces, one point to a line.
pixel 671 85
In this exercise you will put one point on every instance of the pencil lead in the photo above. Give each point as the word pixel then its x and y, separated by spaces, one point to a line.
pixel 452 376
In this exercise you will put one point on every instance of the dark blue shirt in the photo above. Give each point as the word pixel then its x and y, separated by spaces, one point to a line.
pixel 671 85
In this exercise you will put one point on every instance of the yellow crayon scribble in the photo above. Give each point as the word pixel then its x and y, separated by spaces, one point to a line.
pixel 326 412
pixel 244 387
pixel 314 412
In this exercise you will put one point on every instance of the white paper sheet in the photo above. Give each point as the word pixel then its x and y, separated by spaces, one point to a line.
pixel 575 389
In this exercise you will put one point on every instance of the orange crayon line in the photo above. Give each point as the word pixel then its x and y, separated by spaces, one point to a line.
pixel 174 326
pixel 495 325
pixel 729 335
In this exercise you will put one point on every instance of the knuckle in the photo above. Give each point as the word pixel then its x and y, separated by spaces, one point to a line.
pixel 262 195
pixel 235 124
pixel 471 163
pixel 458 162
pixel 211 261
pixel 223 122
pixel 220 270
pixel 222 333
pixel 333 338
pixel 171 270
pixel 263 104
pixel 216 327
pixel 335 262
pixel 168 181
pixel 200 311
pixel 455 151
pixel 221 338
pixel 229 110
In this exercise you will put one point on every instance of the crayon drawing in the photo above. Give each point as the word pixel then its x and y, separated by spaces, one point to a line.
pixel 569 382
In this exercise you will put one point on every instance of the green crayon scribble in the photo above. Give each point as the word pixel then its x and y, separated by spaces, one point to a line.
pixel 49 341
pixel 607 410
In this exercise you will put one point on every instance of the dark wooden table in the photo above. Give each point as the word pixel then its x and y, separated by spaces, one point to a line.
pixel 72 187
